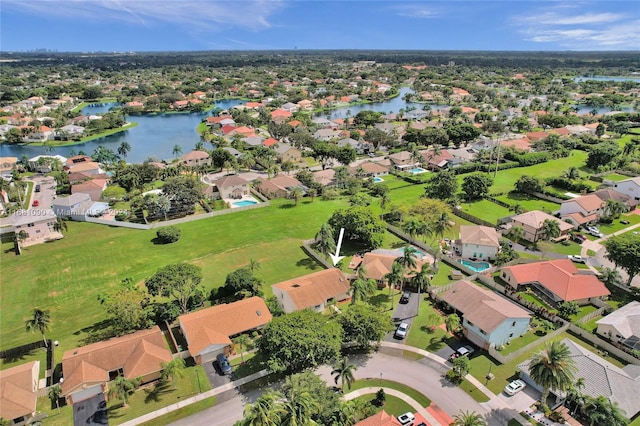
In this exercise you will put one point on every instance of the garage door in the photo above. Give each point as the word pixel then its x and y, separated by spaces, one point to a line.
pixel 210 356
pixel 86 393
pixel 475 339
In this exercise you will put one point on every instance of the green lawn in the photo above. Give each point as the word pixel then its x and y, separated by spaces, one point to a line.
pixel 473 391
pixel 34 355
pixel 407 390
pixel 616 177
pixel 528 202
pixel 392 405
pixel 565 247
pixel 486 210
pixel 591 325
pixel 531 297
pixel 616 226
pixel 520 342
pixel 423 334
pixel 64 275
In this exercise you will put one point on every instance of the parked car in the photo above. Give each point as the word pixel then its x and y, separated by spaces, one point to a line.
pixel 579 238
pixel 624 222
pixel 224 365
pixel 592 230
pixel 465 351
pixel 36 203
pixel 37 188
pixel 576 258
pixel 514 387
pixel 402 330
pixel 406 419
pixel 405 297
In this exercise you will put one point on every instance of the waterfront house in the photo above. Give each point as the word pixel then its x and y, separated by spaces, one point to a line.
pixel 195 158
pixel 312 291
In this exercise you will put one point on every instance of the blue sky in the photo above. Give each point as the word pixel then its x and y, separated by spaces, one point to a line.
pixel 157 25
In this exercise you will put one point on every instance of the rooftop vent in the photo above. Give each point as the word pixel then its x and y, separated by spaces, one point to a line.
pixel 295 285
pixel 258 312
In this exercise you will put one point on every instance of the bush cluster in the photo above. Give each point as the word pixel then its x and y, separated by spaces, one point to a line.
pixel 168 234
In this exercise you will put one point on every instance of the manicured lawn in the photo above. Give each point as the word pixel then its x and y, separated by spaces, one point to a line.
pixel 473 391
pixel 584 310
pixel 520 342
pixel 34 355
pixel 486 210
pixel 616 226
pixel 591 325
pixel 616 177
pixel 565 247
pixel 409 391
pixel 531 297
pixel 421 333
pixel 528 202
pixel 65 275
pixel 392 405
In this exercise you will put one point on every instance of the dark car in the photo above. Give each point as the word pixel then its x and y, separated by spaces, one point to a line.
pixel 223 363
pixel 624 222
pixel 37 188
pixel 405 297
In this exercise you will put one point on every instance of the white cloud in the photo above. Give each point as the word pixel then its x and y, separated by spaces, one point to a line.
pixel 195 14
pixel 415 11
pixel 553 18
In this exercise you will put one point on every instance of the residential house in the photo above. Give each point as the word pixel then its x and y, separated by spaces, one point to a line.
pixel 312 291
pixel 481 242
pixel 7 164
pixel 381 418
pixel 290 107
pixel 437 160
pixel 180 104
pixel 461 155
pixel 361 147
pixel 279 186
pixel 388 128
pixel 209 331
pixel 369 169
pixel 323 122
pixel 326 135
pixel 403 160
pixel 269 142
pixel 622 326
pixel 46 163
pixel 416 114
pixel 242 131
pixel 236 154
pixel 253 141
pixel 195 158
pixel 74 206
pixel 611 194
pixel 523 144
pixel 531 222
pixel 378 263
pixel 557 280
pixel 19 392
pixel 582 210
pixel 232 187
pixel 90 167
pixel 324 177
pixel 630 187
pixel 39 226
pixel 39 134
pixel 88 370
pixel 134 105
pixel 288 152
pixel 621 386
pixel 488 319
pixel 93 187
pixel 280 116
pixel 70 130
pixel 305 105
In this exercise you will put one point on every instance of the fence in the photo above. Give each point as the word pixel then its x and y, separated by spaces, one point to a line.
pixel 602 344
pixel 406 237
pixel 592 315
pixel 306 245
pixel 472 218
pixel 527 348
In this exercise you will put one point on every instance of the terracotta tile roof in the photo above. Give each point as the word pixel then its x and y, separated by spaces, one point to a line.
pixel 314 289
pixel 195 155
pixel 281 113
pixel 83 167
pixel 378 265
pixel 18 390
pixel 138 354
pixel 324 177
pixel 227 128
pixel 90 185
pixel 231 180
pixel 588 202
pixel 380 419
pixel 581 219
pixel 294 123
pixel 561 277
pixel 536 218
pixel 269 142
pixel 370 167
pixel 484 308
pixel 215 325
pixel 436 159
pixel 521 143
pixel 481 235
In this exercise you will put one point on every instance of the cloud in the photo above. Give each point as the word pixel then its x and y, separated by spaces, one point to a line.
pixel 553 18
pixel 209 15
pixel 415 11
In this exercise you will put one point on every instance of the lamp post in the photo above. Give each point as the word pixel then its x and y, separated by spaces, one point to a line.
pixel 380 379
pixel 198 377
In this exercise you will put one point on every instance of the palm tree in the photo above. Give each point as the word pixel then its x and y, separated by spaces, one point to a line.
pixel 124 149
pixel 441 225
pixel 552 368
pixel 550 229
pixel 611 277
pixel 452 323
pixel 313 193
pixel 242 341
pixel 325 243
pixel 40 321
pixel 295 195
pixel 411 227
pixel 385 200
pixel 421 279
pixel 265 411
pixel 408 258
pixel 54 395
pixel 601 411
pixel 575 394
pixel 173 369
pixel 468 418
pixel 177 150
pixel 343 371
pixel 571 174
pixel 199 146
pixel 362 289
pixel 298 410
pixel 254 266
pixel 121 388
pixel 394 278
pixel 516 233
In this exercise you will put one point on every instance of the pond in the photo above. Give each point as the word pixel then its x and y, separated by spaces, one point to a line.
pixel 155 136
pixel 606 78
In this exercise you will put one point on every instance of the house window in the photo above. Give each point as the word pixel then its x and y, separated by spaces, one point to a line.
pixel 504 274
pixel 510 335
pixel 513 324
pixel 470 323
pixel 115 373
pixel 30 225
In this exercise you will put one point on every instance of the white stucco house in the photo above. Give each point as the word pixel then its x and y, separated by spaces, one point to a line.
pixel 630 187
pixel 478 242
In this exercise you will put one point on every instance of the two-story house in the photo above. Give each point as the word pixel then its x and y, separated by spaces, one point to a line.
pixel 630 187
pixel 232 187
pixel 195 158
pixel 532 222
pixel 582 210
pixel 478 242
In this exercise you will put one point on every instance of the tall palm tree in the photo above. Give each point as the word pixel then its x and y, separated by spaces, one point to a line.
pixel 177 150
pixel 254 266
pixel 516 233
pixel 408 260
pixel 571 174
pixel 298 410
pixel 575 394
pixel 441 225
pixel 385 200
pixel 296 195
pixel 422 279
pixel 265 411
pixel 325 243
pixel 552 368
pixel 550 229
pixel 121 388
pixel 411 227
pixel 124 149
pixel 452 323
pixel 601 411
pixel 40 321
pixel 54 395
pixel 362 289
pixel 394 278
pixel 468 418
pixel 343 371
pixel 172 370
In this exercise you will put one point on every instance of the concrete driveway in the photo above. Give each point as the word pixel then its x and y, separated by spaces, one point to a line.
pixel 214 376
pixel 404 312
pixel 46 194
pixel 522 400
pixel 92 411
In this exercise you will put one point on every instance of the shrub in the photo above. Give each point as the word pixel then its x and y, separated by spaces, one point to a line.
pixel 330 194
pixel 168 234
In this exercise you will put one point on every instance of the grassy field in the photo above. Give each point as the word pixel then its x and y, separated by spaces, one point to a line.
pixel 528 202
pixel 426 335
pixel 616 226
pixel 616 177
pixel 68 275
pixel 486 210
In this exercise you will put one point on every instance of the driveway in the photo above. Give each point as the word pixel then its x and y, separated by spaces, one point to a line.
pixel 522 400
pixel 215 377
pixel 46 194
pixel 404 312
pixel 92 411
pixel 225 413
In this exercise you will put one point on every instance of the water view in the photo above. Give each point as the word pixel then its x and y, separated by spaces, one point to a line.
pixel 606 78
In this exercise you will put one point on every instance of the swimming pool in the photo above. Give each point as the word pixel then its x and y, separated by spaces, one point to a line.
pixel 475 266
pixel 378 179
pixel 243 203
pixel 417 170
pixel 417 252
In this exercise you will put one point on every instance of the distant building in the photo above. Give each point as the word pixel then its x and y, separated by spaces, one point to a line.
pixel 478 241
pixel 630 187
pixel 531 222
pixel 39 226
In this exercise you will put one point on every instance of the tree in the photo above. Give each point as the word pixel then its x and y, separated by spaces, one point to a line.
pixel 624 251
pixel 241 342
pixel 359 223
pixel 180 281
pixel 300 340
pixel 528 184
pixel 40 321
pixel 602 154
pixel 363 325
pixel 460 367
pixel 295 195
pixel 183 191
pixel 177 150
pixel 121 388
pixel 172 369
pixel 567 309
pixel 610 277
pixel 124 149
pixel 411 226
pixel 468 418
pixel 128 308
pixel 452 323
pixel 442 185
pixel 552 368
pixel 322 401
pixel 362 289
pixel 601 411
pixel 550 229
pixel 408 258
pixel 104 155
pixel 394 278
pixel 325 242
pixel 600 130
pixel 422 279
pixel 476 185
pixel 265 411
pixel 516 233
pixel 54 395
pixel 168 234
pixel 441 225
pixel 571 173
pixel 575 395
pixel 243 281
pixel 367 118
pixel 343 371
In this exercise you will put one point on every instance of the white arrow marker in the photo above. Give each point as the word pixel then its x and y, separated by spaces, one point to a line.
pixel 336 257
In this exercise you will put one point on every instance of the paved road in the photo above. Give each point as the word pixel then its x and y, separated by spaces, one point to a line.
pixel 223 414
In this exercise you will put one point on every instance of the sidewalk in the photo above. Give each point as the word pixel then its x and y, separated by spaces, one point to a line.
pixel 412 402
pixel 596 246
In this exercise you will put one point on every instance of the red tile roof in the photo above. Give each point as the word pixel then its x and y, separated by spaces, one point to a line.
pixel 380 419
pixel 269 142
pixel 18 390
pixel 314 289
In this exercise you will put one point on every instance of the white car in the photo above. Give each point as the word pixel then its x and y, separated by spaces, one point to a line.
pixel 576 258
pixel 401 331
pixel 406 419
pixel 514 387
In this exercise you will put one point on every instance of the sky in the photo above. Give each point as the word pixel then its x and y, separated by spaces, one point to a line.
pixel 182 25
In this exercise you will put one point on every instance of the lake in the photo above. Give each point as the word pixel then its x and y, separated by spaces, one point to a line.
pixel 155 135
pixel 606 78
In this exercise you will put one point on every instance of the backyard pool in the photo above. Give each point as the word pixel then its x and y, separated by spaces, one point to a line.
pixel 417 170
pixel 475 266
pixel 378 179
pixel 243 203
